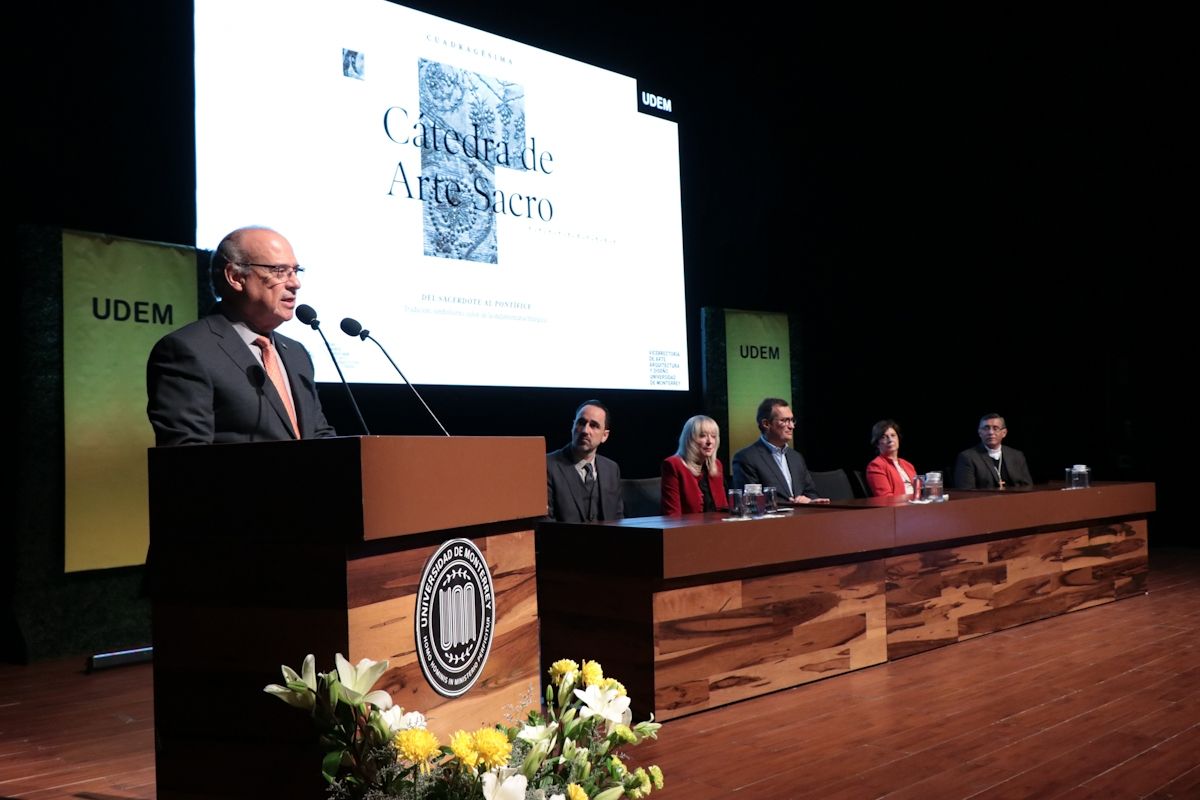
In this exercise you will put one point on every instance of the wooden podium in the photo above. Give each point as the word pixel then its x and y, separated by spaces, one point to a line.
pixel 262 553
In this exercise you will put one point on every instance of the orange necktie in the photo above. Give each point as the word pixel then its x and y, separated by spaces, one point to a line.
pixel 271 365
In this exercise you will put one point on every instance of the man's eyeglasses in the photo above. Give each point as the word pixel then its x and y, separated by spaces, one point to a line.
pixel 280 271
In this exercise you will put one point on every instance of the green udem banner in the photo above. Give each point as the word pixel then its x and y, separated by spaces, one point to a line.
pixel 758 364
pixel 119 297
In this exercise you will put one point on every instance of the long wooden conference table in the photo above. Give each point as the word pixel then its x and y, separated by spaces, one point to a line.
pixel 692 613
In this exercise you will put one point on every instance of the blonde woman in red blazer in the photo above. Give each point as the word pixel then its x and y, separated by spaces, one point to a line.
pixel 695 461
pixel 883 473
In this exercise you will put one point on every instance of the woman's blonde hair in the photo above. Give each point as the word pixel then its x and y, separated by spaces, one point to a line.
pixel 690 452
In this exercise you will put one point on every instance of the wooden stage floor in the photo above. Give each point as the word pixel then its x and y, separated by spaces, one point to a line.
pixel 1104 702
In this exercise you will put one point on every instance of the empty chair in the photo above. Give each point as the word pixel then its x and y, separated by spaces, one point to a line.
pixel 834 484
pixel 642 496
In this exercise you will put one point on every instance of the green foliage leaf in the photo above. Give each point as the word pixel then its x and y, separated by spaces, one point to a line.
pixel 331 764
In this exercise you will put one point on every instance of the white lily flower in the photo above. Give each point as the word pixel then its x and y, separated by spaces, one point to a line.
pixel 647 729
pixel 536 733
pixel 604 703
pixel 397 720
pixel 304 700
pixel 573 753
pixel 391 717
pixel 357 680
pixel 496 787
pixel 293 697
pixel 308 673
pixel 566 686
pixel 413 719
pixel 540 750
pixel 568 750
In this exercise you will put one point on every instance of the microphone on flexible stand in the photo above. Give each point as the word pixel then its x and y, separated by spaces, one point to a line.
pixel 308 315
pixel 351 327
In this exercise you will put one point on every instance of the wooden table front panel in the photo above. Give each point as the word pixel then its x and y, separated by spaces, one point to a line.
pixel 727 641
pixel 938 597
pixel 705 617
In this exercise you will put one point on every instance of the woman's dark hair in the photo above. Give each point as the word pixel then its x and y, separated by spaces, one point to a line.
pixel 880 428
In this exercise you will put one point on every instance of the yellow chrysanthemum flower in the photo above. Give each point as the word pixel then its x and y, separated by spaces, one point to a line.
pixel 656 776
pixel 613 683
pixel 418 746
pixel 560 668
pixel 623 733
pixel 462 744
pixel 493 747
pixel 576 792
pixel 593 674
pixel 643 780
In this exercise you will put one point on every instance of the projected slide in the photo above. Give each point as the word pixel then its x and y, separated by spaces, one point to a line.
pixel 496 215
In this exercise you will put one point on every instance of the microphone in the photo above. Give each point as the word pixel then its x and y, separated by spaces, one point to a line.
pixel 352 327
pixel 308 315
pixel 257 376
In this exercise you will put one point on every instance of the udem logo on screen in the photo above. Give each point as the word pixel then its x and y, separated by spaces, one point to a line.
pixel 652 100
pixel 759 351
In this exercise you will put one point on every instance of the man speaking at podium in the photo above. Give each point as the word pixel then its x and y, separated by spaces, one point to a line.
pixel 228 377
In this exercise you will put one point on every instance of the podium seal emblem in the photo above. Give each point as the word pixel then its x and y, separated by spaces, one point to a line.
pixel 455 617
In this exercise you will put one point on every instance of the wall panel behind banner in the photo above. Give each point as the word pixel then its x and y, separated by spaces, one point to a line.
pixel 119 297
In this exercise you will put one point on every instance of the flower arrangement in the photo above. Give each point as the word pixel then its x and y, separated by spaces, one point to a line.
pixel 376 751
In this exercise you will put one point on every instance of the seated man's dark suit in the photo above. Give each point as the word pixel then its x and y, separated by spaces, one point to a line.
pixel 974 469
pixel 205 386
pixel 755 464
pixel 566 496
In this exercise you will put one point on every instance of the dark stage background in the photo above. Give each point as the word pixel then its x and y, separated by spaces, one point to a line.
pixel 962 210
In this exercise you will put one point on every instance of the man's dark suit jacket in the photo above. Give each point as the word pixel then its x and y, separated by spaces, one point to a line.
pixel 755 464
pixel 974 469
pixel 565 497
pixel 205 386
